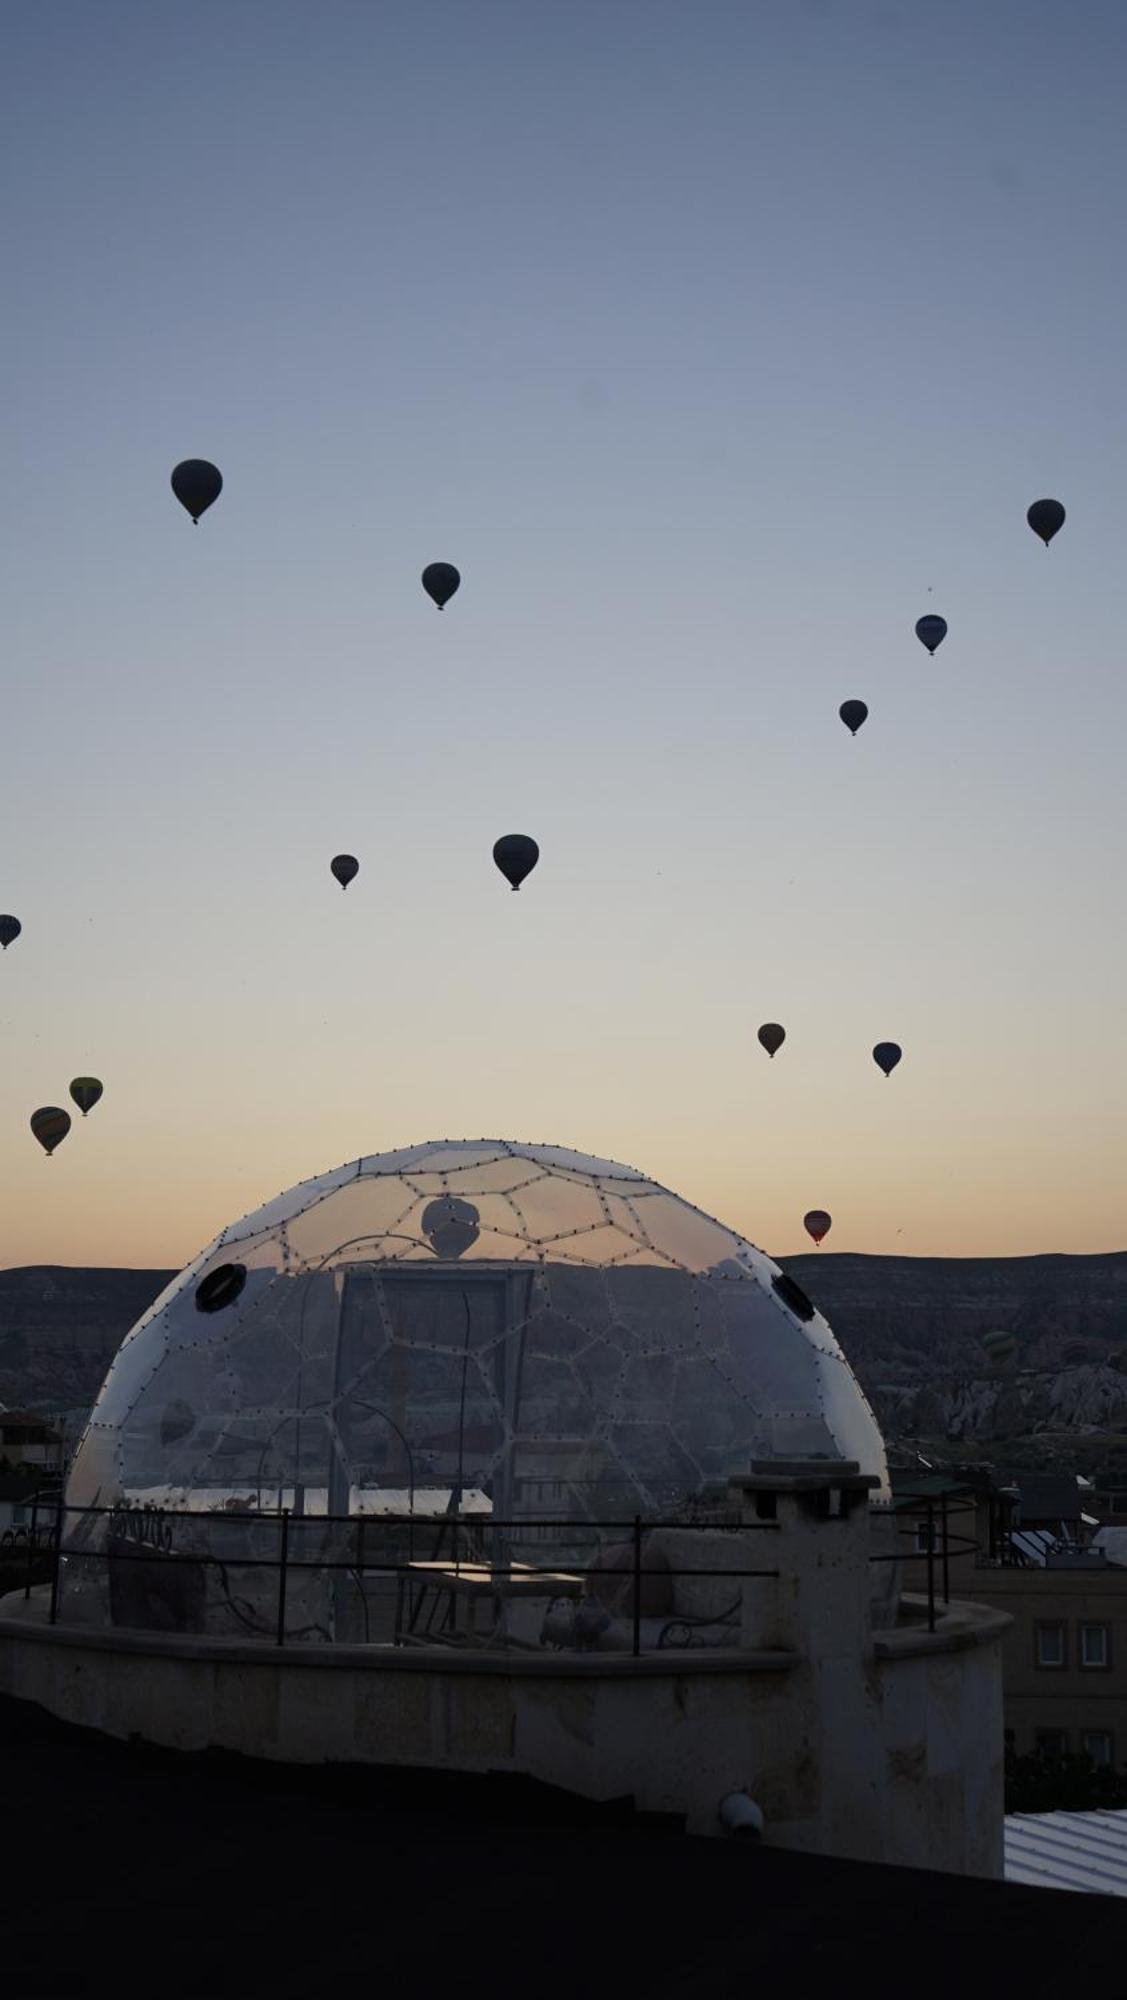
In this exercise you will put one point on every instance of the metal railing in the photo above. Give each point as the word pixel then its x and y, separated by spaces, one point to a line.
pixel 467 1559
pixel 938 1548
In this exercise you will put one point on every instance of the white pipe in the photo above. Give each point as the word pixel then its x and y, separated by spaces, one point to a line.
pixel 739 1813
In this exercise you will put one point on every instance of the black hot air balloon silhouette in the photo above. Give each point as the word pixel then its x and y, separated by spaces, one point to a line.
pixel 886 1055
pixel 817 1223
pixel 772 1036
pixel 516 855
pixel 50 1126
pixel 1046 518
pixel 440 581
pixel 931 631
pixel 450 1225
pixel 345 867
pixel 196 483
pixel 86 1090
pixel 10 928
pixel 853 714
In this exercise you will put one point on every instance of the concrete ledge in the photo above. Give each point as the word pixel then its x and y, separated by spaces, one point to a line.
pixel 670 1661
pixel 959 1626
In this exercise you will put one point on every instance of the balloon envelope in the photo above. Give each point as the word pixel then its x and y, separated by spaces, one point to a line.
pixel 451 1225
pixel 196 483
pixel 10 928
pixel 1046 518
pixel 999 1346
pixel 772 1036
pixel 50 1126
pixel 853 714
pixel 931 631
pixel 86 1091
pixel 440 581
pixel 886 1055
pixel 516 855
pixel 817 1223
pixel 345 867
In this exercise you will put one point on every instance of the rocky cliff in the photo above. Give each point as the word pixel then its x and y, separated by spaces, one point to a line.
pixel 911 1326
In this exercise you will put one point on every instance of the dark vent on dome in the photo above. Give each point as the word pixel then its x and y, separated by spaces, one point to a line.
pixel 220 1288
pixel 792 1295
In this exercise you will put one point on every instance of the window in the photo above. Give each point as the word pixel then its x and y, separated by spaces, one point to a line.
pixel 1052 1743
pixel 1097 1745
pixel 1095 1646
pixel 1049 1647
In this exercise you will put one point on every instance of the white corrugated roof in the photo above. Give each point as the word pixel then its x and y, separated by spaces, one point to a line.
pixel 1068 1850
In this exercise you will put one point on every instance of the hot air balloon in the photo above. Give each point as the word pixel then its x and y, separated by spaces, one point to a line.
pixel 999 1347
pixel 10 928
pixel 853 714
pixel 345 867
pixel 450 1225
pixel 886 1055
pixel 817 1223
pixel 50 1126
pixel 516 855
pixel 178 1421
pixel 196 483
pixel 86 1091
pixel 772 1036
pixel 931 631
pixel 440 581
pixel 1046 518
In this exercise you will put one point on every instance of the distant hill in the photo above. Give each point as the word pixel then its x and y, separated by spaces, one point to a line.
pixel 911 1326
pixel 60 1327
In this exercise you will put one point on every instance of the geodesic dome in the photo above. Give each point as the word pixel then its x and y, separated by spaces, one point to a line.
pixel 469 1323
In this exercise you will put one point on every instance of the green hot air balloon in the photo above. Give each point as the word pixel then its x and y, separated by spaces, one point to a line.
pixel 50 1126
pixel 86 1090
pixel 999 1347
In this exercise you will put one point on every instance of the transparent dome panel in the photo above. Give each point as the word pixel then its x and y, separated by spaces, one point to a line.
pixel 486 1326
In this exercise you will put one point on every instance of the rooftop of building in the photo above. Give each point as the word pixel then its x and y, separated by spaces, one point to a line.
pixel 213 1874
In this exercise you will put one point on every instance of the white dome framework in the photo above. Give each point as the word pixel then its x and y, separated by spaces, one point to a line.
pixel 516 1329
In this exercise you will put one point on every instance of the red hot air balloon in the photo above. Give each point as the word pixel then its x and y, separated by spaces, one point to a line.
pixel 817 1223
pixel 771 1036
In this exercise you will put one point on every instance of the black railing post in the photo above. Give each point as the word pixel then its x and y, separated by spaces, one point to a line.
pixel 946 1572
pixel 930 1567
pixel 60 1513
pixel 31 1540
pixel 283 1558
pixel 637 1585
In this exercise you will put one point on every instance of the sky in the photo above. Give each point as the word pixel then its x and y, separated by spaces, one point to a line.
pixel 715 345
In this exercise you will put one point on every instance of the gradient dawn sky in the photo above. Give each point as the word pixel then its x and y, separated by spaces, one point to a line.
pixel 715 344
